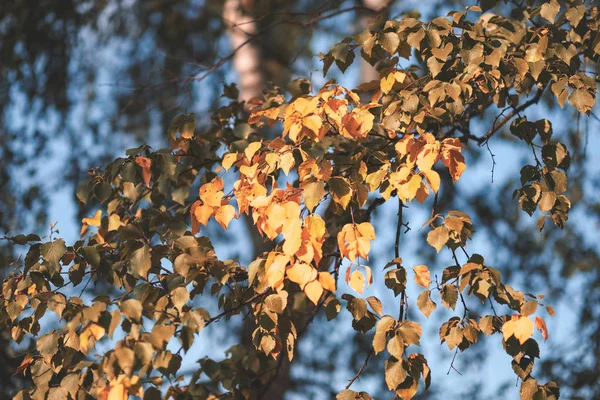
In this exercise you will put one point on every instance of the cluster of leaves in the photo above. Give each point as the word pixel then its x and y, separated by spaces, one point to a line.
pixel 310 193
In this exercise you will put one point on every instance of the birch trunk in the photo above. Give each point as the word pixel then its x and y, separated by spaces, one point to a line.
pixel 241 26
pixel 368 72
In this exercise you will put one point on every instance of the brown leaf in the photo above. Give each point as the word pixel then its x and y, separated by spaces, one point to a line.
pixel 438 237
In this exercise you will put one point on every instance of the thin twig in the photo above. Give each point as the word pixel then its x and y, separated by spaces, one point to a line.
pixel 362 367
pixel 496 126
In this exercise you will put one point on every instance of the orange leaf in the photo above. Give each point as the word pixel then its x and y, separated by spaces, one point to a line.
pixel 422 276
pixel 211 194
pixel 301 274
pixel 327 281
pixel 275 268
pixel 145 163
pixel 453 158
pixel 195 221
pixel 24 364
pixel 203 213
pixel 540 324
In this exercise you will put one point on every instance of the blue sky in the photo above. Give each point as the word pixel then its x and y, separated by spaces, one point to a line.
pixel 496 368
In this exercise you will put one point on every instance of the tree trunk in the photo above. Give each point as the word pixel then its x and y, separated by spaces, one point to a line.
pixel 246 60
pixel 368 72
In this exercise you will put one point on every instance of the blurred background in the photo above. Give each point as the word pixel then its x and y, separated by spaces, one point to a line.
pixel 82 81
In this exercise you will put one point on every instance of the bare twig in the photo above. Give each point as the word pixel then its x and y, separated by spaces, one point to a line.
pixel 497 125
pixel 362 367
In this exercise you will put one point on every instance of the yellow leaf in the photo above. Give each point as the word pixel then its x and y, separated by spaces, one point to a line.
pixel 301 274
pixel 211 194
pixel 428 156
pixel 292 228
pixel 422 276
pixel 228 160
pixel 422 193
pixel 89 336
pixel 313 193
pixel 275 268
pixel 369 275
pixel 94 221
pixel 313 291
pixel 388 81
pixel 286 162
pixel 518 326
pixel 354 240
pixel 385 324
pixel 271 114
pixel 366 230
pixel 114 222
pixel 455 224
pixel 438 237
pixel 251 149
pixel 548 10
pixel 358 123
pixel 327 281
pixel 117 391
pixel 179 296
pixel 224 215
pixel 357 281
pixel 374 179
pixel 203 213
pixel 408 191
pixel 313 123
pixel 433 179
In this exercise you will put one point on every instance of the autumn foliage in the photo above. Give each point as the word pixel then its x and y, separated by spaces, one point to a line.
pixel 306 168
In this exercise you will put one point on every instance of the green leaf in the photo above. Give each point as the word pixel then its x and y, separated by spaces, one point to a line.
pixel 52 252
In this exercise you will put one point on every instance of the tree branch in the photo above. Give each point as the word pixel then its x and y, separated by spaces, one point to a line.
pixel 362 367
pixel 497 125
